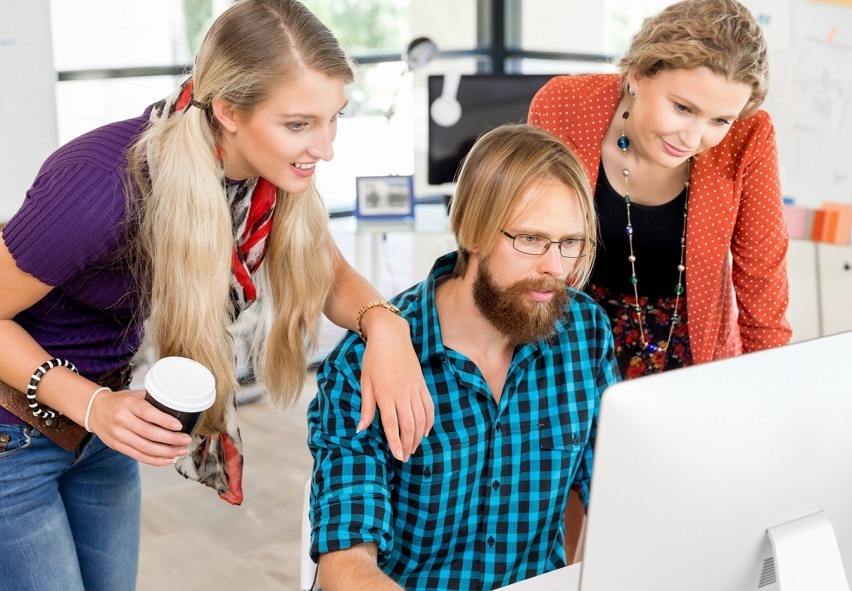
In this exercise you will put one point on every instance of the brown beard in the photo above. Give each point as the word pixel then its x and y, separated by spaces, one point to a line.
pixel 512 312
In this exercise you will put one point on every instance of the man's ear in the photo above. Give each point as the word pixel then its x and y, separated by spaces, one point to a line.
pixel 225 114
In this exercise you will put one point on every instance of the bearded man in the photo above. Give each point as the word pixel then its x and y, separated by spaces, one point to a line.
pixel 516 359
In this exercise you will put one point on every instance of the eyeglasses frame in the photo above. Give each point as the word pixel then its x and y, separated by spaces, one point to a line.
pixel 550 242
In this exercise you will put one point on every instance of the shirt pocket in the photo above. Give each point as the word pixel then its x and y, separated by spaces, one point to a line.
pixel 562 439
pixel 557 452
pixel 432 499
pixel 432 464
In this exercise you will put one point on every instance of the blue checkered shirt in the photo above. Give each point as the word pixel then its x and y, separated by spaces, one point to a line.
pixel 480 504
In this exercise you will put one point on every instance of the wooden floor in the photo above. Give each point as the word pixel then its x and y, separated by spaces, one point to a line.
pixel 191 539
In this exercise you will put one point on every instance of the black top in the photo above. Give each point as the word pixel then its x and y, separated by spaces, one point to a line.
pixel 657 232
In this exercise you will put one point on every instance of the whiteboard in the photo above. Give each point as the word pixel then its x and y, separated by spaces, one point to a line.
pixel 27 97
pixel 810 96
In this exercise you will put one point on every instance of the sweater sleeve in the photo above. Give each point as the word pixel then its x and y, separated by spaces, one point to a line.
pixel 70 218
pixel 74 213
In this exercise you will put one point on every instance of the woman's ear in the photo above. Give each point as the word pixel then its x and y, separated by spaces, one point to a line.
pixel 633 82
pixel 225 115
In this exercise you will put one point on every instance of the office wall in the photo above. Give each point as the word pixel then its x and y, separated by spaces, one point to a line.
pixel 810 98
pixel 27 97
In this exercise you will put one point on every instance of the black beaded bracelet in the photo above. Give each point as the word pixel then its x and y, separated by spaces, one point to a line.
pixel 38 411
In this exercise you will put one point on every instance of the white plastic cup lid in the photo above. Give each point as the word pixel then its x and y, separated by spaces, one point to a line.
pixel 181 384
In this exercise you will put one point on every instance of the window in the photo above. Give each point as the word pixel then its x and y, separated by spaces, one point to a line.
pixel 116 58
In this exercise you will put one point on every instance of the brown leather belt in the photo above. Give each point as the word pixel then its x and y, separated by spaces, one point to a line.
pixel 61 430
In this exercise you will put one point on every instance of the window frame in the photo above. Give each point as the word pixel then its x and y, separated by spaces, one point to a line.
pixel 498 35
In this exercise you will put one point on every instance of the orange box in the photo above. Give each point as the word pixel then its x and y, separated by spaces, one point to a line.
pixel 830 228
pixel 819 225
pixel 841 214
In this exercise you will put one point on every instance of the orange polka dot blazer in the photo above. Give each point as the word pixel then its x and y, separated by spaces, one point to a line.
pixel 736 237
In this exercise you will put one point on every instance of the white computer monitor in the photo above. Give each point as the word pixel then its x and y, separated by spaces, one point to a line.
pixel 695 466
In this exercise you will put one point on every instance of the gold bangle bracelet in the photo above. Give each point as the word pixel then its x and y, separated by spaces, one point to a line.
pixel 377 304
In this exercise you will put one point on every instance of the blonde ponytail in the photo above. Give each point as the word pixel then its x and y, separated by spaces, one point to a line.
pixel 185 235
pixel 186 239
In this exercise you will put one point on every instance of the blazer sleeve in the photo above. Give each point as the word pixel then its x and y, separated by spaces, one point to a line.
pixel 759 245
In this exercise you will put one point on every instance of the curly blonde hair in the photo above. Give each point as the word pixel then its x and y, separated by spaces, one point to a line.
pixel 720 35
pixel 185 236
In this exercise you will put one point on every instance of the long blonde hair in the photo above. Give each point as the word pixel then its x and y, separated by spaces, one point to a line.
pixel 185 236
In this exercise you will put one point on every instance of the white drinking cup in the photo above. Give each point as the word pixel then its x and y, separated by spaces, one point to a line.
pixel 182 388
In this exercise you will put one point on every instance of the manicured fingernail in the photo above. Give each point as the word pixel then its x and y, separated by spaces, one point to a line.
pixel 398 454
pixel 361 426
pixel 176 426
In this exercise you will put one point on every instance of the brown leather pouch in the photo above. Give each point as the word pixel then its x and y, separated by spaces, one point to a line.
pixel 61 430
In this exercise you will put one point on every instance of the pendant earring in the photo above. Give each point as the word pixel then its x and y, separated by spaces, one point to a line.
pixel 622 141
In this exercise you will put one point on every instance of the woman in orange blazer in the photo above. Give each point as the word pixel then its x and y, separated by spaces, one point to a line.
pixel 691 261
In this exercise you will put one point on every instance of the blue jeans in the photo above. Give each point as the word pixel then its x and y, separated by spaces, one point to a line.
pixel 69 521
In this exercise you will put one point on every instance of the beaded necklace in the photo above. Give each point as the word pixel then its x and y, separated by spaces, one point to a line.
pixel 646 343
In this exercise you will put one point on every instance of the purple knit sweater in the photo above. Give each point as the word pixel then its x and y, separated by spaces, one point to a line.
pixel 66 234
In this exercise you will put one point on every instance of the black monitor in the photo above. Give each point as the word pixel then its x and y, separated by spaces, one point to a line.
pixel 487 101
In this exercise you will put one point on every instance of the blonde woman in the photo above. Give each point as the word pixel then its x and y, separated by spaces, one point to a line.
pixel 164 221
pixel 692 261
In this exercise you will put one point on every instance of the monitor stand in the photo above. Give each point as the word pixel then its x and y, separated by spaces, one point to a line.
pixel 807 556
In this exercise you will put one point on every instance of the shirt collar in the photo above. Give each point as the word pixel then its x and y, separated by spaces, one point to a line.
pixel 421 312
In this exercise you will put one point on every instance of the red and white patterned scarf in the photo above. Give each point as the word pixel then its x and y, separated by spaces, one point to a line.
pixel 251 201
pixel 217 460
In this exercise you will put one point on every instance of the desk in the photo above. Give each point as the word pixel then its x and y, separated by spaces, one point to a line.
pixel 430 237
pixel 412 244
pixel 563 579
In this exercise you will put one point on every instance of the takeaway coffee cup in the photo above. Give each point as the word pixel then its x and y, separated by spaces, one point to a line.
pixel 182 388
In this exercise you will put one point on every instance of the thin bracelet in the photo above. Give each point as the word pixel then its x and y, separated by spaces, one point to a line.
pixel 377 304
pixel 38 411
pixel 92 401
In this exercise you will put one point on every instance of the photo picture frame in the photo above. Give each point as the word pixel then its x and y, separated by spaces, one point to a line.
pixel 384 197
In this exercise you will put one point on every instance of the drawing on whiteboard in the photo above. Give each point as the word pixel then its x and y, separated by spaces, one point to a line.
pixel 820 86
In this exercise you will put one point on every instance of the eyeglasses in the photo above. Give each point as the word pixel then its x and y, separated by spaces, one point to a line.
pixel 570 248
